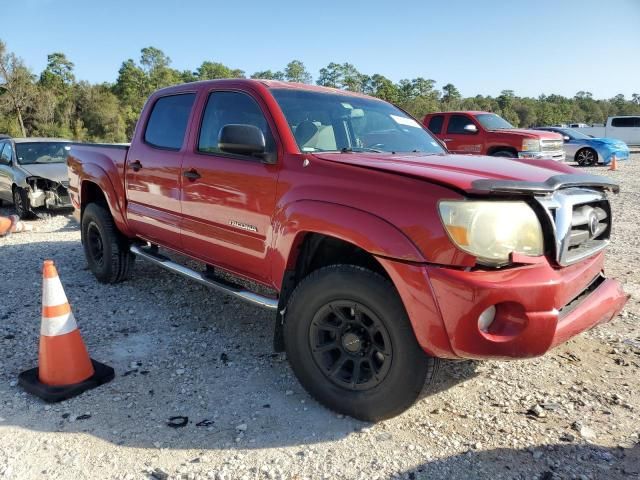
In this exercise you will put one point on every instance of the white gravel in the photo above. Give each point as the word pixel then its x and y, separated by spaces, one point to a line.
pixel 181 350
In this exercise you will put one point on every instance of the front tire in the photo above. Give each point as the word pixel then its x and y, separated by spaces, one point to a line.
pixel 351 345
pixel 105 248
pixel 504 153
pixel 586 157
pixel 21 203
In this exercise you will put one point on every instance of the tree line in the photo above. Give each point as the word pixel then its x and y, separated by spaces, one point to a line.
pixel 56 104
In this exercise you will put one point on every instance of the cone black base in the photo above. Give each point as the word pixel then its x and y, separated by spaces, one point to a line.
pixel 29 381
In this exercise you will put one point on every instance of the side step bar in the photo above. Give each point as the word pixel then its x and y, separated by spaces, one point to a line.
pixel 229 289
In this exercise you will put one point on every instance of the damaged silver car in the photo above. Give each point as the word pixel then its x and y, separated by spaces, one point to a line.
pixel 33 174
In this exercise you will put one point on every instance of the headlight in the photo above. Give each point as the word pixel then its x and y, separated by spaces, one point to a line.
pixel 492 230
pixel 530 145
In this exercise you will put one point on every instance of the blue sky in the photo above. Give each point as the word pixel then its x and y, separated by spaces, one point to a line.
pixel 481 46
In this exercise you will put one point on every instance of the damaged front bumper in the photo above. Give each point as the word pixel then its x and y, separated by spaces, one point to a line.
pixel 49 194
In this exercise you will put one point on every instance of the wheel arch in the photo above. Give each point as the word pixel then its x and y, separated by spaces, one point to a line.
pixel 497 148
pixel 97 187
pixel 315 234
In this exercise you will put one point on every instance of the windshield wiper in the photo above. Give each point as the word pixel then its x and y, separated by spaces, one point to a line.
pixel 360 149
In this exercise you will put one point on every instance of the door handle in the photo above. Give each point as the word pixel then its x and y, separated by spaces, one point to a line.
pixel 136 166
pixel 447 139
pixel 192 174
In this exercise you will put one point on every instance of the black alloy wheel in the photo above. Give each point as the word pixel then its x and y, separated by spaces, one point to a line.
pixel 350 345
pixel 586 157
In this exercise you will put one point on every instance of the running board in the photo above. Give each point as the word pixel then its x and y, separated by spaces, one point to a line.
pixel 229 289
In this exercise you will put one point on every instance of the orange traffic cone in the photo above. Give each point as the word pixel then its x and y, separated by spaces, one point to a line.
pixel 5 226
pixel 614 162
pixel 64 367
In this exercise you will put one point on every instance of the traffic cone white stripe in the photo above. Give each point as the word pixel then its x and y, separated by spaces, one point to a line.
pixel 52 327
pixel 52 292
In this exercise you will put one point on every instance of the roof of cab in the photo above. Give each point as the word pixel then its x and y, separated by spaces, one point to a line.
pixel 267 83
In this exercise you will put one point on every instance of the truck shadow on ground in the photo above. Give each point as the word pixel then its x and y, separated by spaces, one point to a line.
pixel 547 462
pixel 179 350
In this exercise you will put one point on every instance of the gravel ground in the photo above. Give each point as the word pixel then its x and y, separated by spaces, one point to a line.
pixel 180 349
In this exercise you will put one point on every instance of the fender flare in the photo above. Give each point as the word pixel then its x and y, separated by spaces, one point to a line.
pixel 369 232
pixel 96 174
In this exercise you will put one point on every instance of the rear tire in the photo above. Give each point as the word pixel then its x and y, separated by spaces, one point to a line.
pixel 105 248
pixel 351 345
pixel 504 153
pixel 21 203
pixel 586 157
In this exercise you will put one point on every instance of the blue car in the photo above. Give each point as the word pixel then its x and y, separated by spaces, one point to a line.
pixel 586 150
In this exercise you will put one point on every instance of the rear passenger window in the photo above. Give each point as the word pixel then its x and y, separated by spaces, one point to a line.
pixel 626 122
pixel 457 124
pixel 168 121
pixel 225 108
pixel 435 124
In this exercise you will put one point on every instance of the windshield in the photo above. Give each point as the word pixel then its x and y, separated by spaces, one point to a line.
pixel 42 152
pixel 325 122
pixel 576 135
pixel 491 121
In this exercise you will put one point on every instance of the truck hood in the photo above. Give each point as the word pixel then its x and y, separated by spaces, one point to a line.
pixel 474 174
pixel 51 171
pixel 522 132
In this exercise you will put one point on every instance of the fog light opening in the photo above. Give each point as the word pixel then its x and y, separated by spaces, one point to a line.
pixel 486 318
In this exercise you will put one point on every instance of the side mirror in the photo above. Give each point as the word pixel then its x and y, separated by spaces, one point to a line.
pixel 471 128
pixel 243 140
pixel 566 138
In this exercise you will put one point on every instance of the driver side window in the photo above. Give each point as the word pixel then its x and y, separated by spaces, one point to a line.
pixel 225 108
pixel 457 124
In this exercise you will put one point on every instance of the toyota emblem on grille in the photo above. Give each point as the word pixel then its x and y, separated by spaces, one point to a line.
pixel 593 224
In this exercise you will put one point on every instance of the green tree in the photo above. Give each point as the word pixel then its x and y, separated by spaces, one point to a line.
pixel 268 75
pixel 59 72
pixel 16 86
pixel 450 96
pixel 330 76
pixel 295 71
pixel 214 70
pixel 381 87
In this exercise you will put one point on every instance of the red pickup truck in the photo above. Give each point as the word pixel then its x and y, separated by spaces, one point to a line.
pixel 382 252
pixel 485 133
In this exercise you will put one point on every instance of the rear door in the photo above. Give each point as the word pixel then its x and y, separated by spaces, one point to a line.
pixel 227 209
pixel 626 129
pixel 152 177
pixel 457 139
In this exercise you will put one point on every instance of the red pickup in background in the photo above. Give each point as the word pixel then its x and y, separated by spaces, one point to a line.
pixel 485 133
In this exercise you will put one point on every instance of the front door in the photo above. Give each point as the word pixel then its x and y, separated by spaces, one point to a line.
pixel 459 140
pixel 152 177
pixel 228 201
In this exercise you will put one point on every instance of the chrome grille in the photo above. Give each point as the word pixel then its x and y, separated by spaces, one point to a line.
pixel 581 220
pixel 551 145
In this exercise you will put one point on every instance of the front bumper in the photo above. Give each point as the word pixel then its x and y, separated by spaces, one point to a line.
pixel 557 155
pixel 539 306
pixel 52 199
pixel 606 156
